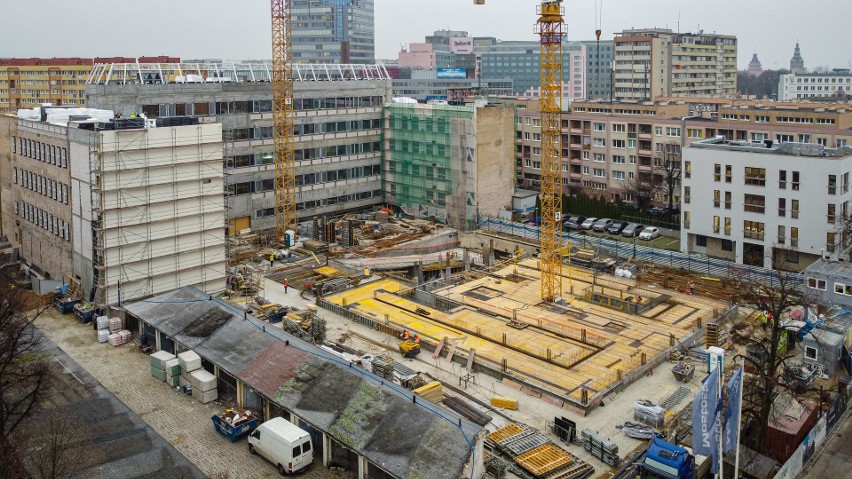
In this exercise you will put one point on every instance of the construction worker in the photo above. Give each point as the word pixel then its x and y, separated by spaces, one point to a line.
pixel 271 259
pixel 417 339
pixel 286 285
pixel 405 335
pixel 692 287
pixel 638 298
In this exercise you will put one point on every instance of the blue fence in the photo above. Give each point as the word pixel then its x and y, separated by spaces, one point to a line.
pixel 696 263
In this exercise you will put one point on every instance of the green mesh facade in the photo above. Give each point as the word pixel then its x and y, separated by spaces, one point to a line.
pixel 424 158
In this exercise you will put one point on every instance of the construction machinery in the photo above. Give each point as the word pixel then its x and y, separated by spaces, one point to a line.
pixel 409 348
pixel 283 119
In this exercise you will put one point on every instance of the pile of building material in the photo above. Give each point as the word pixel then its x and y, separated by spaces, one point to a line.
pixel 536 454
pixel 188 361
pixel 173 372
pixel 102 323
pixel 121 337
pixel 158 364
pixel 203 386
pixel 115 325
pixel 462 407
pixel 432 391
pixel 505 403
pixel 383 367
pixel 600 447
pixel 648 413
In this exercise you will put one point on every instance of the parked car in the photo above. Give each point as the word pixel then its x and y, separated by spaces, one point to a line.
pixel 630 207
pixel 617 227
pixel 588 223
pixel 649 233
pixel 632 230
pixel 602 224
pixel 658 211
pixel 573 223
pixel 282 443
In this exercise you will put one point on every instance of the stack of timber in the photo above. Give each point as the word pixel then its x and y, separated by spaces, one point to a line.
pixel 432 391
pixel 505 403
pixel 461 406
pixel 600 447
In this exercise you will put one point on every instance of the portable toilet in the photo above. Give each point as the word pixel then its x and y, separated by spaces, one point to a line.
pixel 289 238
pixel 715 358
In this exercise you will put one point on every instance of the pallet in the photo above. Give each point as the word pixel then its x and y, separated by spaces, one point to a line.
pixel 543 460
pixel 515 447
pixel 504 433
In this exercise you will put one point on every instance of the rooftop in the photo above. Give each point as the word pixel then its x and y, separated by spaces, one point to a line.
pixel 215 72
pixel 771 147
pixel 350 404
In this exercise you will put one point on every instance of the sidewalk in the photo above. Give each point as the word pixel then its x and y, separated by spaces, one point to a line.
pixel 179 419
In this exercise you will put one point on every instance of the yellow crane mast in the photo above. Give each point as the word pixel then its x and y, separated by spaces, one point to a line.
pixel 283 118
pixel 550 28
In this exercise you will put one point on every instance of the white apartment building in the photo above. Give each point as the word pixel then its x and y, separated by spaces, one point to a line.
pixel 781 206
pixel 836 85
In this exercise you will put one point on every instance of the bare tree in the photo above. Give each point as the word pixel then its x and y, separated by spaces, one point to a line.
pixel 667 170
pixel 24 367
pixel 56 445
pixel 768 357
pixel 641 187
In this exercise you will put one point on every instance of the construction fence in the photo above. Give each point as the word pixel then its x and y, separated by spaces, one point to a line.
pixel 696 263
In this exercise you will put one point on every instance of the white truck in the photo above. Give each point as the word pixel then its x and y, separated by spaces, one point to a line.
pixel 284 444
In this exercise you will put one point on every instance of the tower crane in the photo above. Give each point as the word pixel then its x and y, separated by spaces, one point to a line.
pixel 283 119
pixel 551 31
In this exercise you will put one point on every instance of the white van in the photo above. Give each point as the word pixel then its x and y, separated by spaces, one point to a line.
pixel 282 443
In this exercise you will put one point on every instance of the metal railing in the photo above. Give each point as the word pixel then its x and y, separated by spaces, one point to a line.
pixel 694 262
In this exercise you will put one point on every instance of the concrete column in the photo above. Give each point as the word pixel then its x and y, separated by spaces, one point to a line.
pixel 466 260
pixel 240 393
pixel 363 468
pixel 326 450
pixel 266 409
pixel 157 339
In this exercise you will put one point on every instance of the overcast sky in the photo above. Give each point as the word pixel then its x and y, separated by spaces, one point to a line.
pixel 239 29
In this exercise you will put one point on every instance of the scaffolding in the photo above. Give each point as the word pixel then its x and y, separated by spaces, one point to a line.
pixel 431 167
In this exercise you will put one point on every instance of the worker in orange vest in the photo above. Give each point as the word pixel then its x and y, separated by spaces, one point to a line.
pixel 286 285
pixel 417 339
pixel 405 335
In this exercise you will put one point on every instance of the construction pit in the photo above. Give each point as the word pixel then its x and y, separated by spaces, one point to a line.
pixel 605 333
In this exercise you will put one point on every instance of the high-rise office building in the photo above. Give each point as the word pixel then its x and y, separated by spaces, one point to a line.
pixel 333 31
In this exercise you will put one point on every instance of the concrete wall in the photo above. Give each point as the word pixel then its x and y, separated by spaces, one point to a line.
pixel 495 167
pixel 8 129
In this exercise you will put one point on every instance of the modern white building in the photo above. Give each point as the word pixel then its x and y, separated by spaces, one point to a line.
pixel 836 85
pixel 772 205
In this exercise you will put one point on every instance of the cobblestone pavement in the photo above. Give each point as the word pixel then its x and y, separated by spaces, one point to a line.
pixel 179 419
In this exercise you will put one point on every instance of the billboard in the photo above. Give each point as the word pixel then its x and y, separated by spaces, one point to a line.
pixel 452 72
pixel 461 45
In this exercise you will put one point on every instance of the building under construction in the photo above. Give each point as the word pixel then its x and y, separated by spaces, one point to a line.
pixel 605 331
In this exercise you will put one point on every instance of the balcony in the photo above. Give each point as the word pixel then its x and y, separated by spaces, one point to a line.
pixel 758 235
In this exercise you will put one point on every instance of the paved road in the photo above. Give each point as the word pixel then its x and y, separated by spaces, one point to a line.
pixel 179 419
pixel 835 460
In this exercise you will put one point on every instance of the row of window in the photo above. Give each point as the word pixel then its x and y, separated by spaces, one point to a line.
pixel 266 132
pixel 50 154
pixel 839 288
pixel 268 184
pixel 42 185
pixel 43 219
pixel 258 106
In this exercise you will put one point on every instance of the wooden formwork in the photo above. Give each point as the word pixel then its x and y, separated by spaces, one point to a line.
pixel 543 459
pixel 505 432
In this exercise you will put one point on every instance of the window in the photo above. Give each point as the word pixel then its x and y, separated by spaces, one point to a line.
pixel 794 236
pixel 687 217
pixel 618 159
pixel 755 176
pixel 717 198
pixel 728 173
pixel 727 245
pixel 600 173
pixel 618 175
pixel 687 193
pixel 782 234
pixel 754 203
pixel 618 143
pixel 619 127
pixel 830 241
pixel 717 224
pixel 717 172
pixel 631 143
pixel 700 240
pixel 600 127
pixel 674 132
pixel 306 447
pixel 599 142
pixel 794 208
pixel 795 182
pixel 727 225
pixel 727 200
pixel 815 283
pixel 658 130
pixel 600 157
pixel 753 230
pixel 687 169
pixel 297 451
pixel 832 213
pixel 782 179
pixel 810 353
pixel 694 132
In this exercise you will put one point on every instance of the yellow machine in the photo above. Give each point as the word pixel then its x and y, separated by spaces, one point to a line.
pixel 409 348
